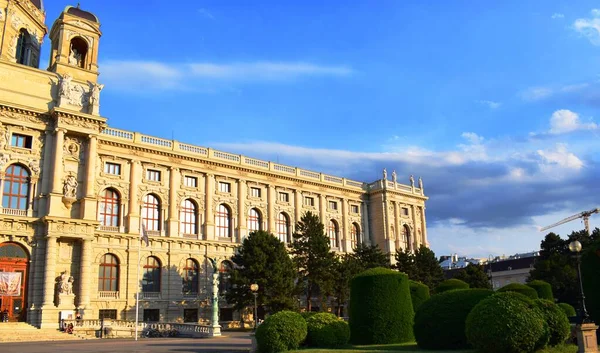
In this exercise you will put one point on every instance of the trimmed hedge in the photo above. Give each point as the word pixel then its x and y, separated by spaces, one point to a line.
pixel 419 293
pixel 380 307
pixel 280 332
pixel 568 309
pixel 543 289
pixel 308 314
pixel 557 321
pixel 506 323
pixel 590 267
pixel 520 288
pixel 440 321
pixel 450 284
pixel 327 331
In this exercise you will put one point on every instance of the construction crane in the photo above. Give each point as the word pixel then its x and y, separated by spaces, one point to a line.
pixel 586 220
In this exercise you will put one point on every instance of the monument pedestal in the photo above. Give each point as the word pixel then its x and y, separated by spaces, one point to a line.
pixel 66 301
pixel 586 338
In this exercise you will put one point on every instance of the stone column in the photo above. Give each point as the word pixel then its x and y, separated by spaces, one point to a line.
pixel 174 182
pixel 209 232
pixel 242 193
pixel 59 139
pixel 85 277
pixel 397 225
pixel 322 210
pixel 216 328
pixel 134 206
pixel 271 199
pixel 297 209
pixel 424 227
pixel 366 236
pixel 89 204
pixel 414 233
pixel 49 272
pixel 345 241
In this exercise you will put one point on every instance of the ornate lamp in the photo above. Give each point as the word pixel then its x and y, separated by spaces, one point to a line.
pixel 254 289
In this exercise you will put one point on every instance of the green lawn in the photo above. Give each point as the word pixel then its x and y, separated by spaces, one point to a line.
pixel 412 348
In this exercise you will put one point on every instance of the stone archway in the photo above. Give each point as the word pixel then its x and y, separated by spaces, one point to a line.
pixel 14 270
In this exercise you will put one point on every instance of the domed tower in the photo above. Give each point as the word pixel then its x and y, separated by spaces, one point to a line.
pixel 22 31
pixel 75 36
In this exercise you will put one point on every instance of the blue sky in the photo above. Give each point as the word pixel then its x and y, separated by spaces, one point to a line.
pixel 494 104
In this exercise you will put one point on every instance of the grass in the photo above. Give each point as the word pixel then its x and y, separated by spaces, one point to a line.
pixel 412 348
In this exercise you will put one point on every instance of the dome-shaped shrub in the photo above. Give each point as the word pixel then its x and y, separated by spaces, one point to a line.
pixel 327 330
pixel 307 314
pixel 380 307
pixel 419 293
pixel 557 321
pixel 568 309
pixel 450 284
pixel 506 323
pixel 440 321
pixel 281 332
pixel 543 289
pixel 520 288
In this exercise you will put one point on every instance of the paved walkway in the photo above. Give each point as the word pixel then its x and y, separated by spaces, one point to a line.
pixel 230 342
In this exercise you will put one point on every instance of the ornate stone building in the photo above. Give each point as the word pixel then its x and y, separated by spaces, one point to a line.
pixel 77 193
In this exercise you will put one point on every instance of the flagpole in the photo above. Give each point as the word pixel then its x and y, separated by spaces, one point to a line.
pixel 137 294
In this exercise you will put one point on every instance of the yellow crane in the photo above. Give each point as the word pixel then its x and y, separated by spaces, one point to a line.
pixel 586 220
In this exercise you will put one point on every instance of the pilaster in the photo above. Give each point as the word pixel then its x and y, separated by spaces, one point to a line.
pixel 414 236
pixel 55 206
pixel 397 226
pixel 345 237
pixel 49 313
pixel 85 276
pixel 297 209
pixel 173 220
pixel 134 205
pixel 271 199
pixel 242 193
pixel 209 207
pixel 322 209
pixel 90 202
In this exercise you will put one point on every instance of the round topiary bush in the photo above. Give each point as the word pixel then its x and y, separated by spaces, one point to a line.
pixel 380 307
pixel 520 288
pixel 568 309
pixel 419 293
pixel 506 323
pixel 281 332
pixel 327 330
pixel 307 314
pixel 543 289
pixel 557 321
pixel 440 321
pixel 450 284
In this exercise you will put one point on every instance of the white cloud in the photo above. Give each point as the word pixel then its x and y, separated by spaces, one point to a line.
pixel 589 27
pixel 490 104
pixel 472 137
pixel 561 156
pixel 205 13
pixel 145 75
pixel 564 121
pixel 536 93
pixel 557 15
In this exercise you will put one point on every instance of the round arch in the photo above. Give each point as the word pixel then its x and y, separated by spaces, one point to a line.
pixel 14 261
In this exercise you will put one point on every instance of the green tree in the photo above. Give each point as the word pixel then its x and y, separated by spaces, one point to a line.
pixel 262 259
pixel 421 266
pixel 346 267
pixel 475 276
pixel 313 257
pixel 370 256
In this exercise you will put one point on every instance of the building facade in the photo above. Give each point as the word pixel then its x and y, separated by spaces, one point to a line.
pixel 77 194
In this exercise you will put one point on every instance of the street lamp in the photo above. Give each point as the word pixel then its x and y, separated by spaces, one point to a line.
pixel 575 247
pixel 254 289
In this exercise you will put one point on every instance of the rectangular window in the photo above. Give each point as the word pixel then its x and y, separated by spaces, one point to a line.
pixel 255 192
pixel 22 141
pixel 309 201
pixel 153 175
pixel 284 197
pixel 405 211
pixel 224 187
pixel 333 205
pixel 107 314
pixel 151 315
pixel 191 182
pixel 354 208
pixel 112 168
pixel 190 315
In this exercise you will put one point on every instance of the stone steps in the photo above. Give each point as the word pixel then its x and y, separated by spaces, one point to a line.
pixel 22 332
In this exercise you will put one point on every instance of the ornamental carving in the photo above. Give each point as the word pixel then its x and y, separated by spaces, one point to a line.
pixel 122 187
pixel 36 119
pixel 16 22
pixel 161 192
pixel 72 148
pixel 198 198
pixel 74 94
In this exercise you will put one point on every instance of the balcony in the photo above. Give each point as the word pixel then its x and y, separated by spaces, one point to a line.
pixel 14 212
pixel 150 295
pixel 108 295
pixel 114 229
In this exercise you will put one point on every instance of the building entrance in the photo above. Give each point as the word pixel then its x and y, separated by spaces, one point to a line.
pixel 14 262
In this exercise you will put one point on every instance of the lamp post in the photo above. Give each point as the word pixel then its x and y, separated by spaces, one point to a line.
pixel 586 329
pixel 254 289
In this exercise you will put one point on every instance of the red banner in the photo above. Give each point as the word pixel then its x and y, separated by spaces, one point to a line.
pixel 10 284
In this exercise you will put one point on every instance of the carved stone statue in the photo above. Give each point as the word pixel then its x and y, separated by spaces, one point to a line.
pixel 34 166
pixel 65 286
pixel 4 158
pixel 394 177
pixel 94 98
pixel 420 183
pixel 12 47
pixel 74 57
pixel 384 174
pixel 70 187
pixel 412 181
pixel 64 88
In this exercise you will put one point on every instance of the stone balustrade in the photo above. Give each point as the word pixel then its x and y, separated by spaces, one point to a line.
pixel 121 328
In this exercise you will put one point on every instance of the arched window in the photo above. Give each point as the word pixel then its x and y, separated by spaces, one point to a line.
pixel 109 208
pixel 151 212
pixel 254 220
pixel 78 52
pixel 190 277
pixel 151 279
pixel 354 234
pixel 188 217
pixel 108 274
pixel 225 277
pixel 406 237
pixel 27 52
pixel 16 187
pixel 333 233
pixel 283 226
pixel 223 221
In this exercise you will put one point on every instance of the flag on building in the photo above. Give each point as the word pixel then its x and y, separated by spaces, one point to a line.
pixel 144 235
